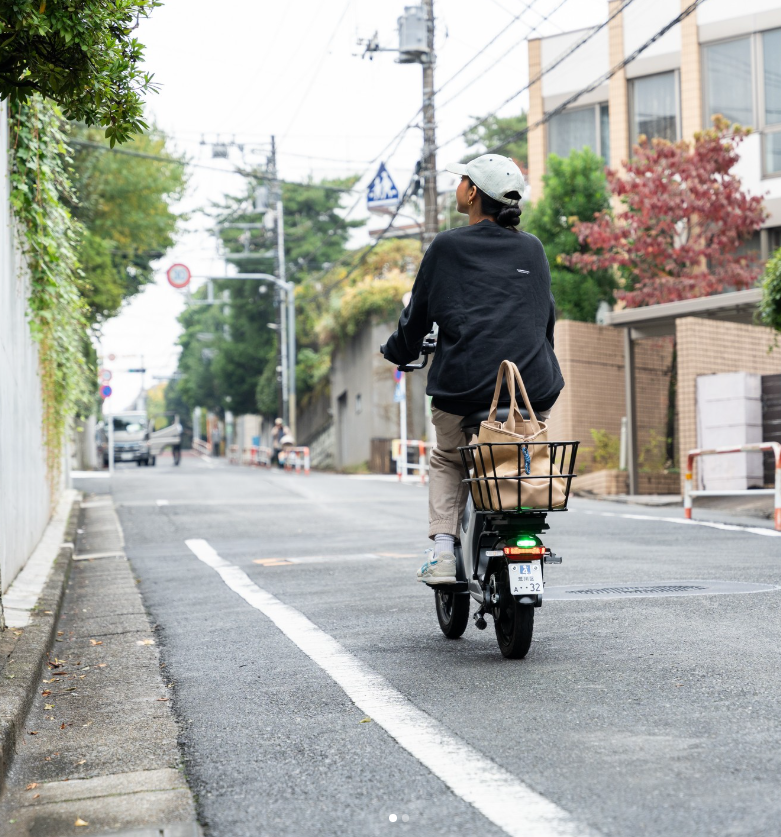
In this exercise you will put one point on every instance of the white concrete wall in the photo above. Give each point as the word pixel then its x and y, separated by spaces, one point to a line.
pixel 25 504
pixel 715 11
pixel 586 64
pixel 729 414
pixel 644 19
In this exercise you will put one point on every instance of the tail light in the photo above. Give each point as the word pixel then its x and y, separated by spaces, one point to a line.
pixel 534 553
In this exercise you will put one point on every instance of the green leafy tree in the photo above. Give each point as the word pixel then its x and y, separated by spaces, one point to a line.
pixel 197 383
pixel 494 130
pixel 575 190
pixel 770 306
pixel 81 55
pixel 244 365
pixel 124 201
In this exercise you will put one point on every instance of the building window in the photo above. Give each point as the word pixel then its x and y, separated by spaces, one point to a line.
pixel 655 107
pixel 729 88
pixel 771 44
pixel 573 130
pixel 604 133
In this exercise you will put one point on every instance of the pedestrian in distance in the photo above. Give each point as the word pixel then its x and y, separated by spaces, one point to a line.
pixel 281 440
pixel 216 439
pixel 487 286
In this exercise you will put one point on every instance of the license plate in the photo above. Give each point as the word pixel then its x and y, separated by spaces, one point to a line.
pixel 525 579
pixel 126 456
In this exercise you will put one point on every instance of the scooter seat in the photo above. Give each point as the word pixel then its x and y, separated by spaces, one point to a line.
pixel 473 420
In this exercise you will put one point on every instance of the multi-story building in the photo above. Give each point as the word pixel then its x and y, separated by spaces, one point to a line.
pixel 725 58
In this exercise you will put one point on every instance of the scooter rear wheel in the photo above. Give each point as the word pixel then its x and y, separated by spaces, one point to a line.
pixel 452 612
pixel 513 622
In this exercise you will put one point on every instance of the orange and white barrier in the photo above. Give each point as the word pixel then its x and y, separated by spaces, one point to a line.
pixel 296 459
pixel 689 493
pixel 400 451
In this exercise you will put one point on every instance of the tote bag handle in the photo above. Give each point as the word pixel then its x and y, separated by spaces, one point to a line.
pixel 509 371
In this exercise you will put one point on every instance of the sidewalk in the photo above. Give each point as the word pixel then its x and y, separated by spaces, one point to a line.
pixel 99 751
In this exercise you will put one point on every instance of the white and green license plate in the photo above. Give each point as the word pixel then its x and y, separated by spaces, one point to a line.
pixel 525 579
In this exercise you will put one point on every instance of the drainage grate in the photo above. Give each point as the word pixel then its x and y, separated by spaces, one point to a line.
pixel 659 589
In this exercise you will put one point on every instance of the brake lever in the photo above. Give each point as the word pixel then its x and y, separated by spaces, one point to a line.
pixel 411 367
pixel 428 347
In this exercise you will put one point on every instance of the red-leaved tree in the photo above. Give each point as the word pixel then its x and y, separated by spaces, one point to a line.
pixel 682 220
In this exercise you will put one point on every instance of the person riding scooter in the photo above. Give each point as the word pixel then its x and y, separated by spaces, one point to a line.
pixel 488 288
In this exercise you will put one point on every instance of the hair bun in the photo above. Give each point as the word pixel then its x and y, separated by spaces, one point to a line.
pixel 509 216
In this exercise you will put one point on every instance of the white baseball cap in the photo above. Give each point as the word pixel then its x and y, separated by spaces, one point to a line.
pixel 493 174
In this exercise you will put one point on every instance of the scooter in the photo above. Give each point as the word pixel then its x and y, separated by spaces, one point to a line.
pixel 500 559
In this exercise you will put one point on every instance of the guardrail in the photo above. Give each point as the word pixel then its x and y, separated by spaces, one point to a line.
pixel 690 493
pixel 199 446
pixel 296 459
pixel 405 468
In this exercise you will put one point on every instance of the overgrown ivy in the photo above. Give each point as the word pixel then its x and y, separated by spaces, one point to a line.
pixel 48 237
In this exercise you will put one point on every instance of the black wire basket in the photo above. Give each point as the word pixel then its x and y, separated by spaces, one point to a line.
pixel 501 478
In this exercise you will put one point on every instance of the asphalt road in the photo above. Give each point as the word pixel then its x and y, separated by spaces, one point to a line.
pixel 632 716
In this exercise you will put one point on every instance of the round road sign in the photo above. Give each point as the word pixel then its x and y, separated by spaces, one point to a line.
pixel 105 391
pixel 105 375
pixel 178 276
pixel 397 375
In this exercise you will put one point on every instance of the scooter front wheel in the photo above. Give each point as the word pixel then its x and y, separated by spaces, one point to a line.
pixel 452 612
pixel 513 622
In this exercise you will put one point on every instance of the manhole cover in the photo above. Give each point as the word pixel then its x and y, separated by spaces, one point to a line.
pixel 572 592
pixel 661 589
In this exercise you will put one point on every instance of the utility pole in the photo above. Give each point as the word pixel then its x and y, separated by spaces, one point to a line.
pixel 286 311
pixel 429 167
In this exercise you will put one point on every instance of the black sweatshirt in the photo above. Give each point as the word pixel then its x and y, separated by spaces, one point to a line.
pixel 489 290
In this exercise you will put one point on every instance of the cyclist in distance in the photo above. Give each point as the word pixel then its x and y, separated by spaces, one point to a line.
pixel 488 288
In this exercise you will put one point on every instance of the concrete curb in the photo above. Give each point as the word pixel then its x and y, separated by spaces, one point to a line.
pixel 21 675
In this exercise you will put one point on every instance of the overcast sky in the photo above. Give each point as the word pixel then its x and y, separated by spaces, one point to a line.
pixel 243 71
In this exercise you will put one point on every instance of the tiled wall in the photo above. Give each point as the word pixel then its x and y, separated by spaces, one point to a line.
pixel 707 347
pixel 592 362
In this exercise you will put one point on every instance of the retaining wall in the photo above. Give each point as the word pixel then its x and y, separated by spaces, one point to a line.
pixel 25 502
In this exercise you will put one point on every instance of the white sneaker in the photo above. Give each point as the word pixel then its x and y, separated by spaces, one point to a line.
pixel 439 570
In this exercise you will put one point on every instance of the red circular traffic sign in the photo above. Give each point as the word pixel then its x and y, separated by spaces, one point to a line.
pixel 178 276
pixel 105 375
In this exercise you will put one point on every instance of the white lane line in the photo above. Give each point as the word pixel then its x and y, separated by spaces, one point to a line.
pixel 727 527
pixel 162 502
pixel 494 792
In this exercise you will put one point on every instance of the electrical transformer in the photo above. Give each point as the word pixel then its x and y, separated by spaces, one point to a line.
pixel 413 37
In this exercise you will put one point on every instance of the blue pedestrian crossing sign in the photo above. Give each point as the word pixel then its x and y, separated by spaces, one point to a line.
pixel 382 190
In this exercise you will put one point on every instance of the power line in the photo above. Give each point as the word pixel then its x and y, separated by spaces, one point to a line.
pixel 602 79
pixel 314 74
pixel 563 57
pixel 534 29
pixel 98 146
pixel 527 7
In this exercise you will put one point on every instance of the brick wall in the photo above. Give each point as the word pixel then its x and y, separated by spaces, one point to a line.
pixel 592 362
pixel 708 347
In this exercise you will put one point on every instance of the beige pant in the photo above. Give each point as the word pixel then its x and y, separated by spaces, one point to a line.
pixel 446 492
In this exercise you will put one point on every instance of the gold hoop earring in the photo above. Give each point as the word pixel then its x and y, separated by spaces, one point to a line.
pixel 470 203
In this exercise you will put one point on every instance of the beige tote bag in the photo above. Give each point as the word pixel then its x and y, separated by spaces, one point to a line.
pixel 528 467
